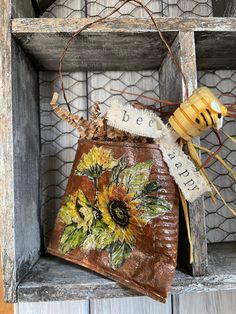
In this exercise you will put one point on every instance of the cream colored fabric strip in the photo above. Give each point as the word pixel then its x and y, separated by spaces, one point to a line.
pixel 135 121
pixel 183 170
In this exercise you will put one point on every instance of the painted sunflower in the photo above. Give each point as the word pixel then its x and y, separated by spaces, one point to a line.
pixel 95 162
pixel 77 209
pixel 120 213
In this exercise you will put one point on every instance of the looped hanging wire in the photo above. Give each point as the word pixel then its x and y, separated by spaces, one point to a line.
pixel 101 19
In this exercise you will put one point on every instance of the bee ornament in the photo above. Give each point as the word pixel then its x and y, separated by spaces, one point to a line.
pixel 201 111
pixel 198 113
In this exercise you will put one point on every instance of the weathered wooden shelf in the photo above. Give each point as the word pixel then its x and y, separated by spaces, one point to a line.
pixel 55 279
pixel 124 44
pixel 117 44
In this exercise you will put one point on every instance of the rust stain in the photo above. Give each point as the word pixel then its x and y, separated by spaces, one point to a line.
pixel 4 307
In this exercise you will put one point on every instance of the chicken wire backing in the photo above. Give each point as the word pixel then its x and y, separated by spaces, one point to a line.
pixel 172 8
pixel 66 9
pixel 59 141
pixel 221 225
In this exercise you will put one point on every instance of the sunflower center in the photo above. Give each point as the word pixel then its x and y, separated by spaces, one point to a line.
pixel 119 212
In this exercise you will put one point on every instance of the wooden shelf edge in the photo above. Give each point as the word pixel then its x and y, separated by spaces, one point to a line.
pixel 123 44
pixel 71 25
pixel 53 279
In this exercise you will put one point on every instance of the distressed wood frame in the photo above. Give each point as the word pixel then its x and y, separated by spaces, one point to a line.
pixel 20 151
pixel 139 40
pixel 19 162
pixel 184 49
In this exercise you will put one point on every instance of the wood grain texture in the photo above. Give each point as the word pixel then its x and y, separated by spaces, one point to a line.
pixel 224 7
pixel 99 48
pixel 26 154
pixel 170 77
pixel 184 48
pixel 196 209
pixel 122 25
pixel 6 157
pixel 54 279
pixel 19 133
pixel 21 8
pixel 216 50
pixel 218 302
pixel 6 174
pixel 136 305
pixel 67 307
pixel 104 50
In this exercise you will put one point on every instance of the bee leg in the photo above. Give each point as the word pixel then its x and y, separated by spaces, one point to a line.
pixel 221 144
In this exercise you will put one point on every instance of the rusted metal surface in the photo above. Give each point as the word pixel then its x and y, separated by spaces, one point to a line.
pixel 151 266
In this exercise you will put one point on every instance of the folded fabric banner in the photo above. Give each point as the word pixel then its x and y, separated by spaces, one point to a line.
pixel 135 121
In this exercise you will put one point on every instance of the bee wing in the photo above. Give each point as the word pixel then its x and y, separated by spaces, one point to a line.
pixel 215 106
pixel 219 123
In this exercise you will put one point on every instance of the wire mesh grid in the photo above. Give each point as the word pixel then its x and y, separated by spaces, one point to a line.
pixel 221 226
pixel 59 141
pixel 66 9
pixel 183 8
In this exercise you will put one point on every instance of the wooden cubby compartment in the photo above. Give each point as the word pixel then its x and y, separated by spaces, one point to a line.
pixel 30 44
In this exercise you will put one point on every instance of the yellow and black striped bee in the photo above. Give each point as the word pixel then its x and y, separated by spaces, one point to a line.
pixel 197 114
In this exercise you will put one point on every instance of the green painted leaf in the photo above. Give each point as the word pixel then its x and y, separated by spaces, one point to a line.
pixel 98 226
pixel 122 164
pixel 65 215
pixel 119 253
pixel 151 187
pixel 137 177
pixel 100 237
pixel 154 206
pixel 99 241
pixel 71 238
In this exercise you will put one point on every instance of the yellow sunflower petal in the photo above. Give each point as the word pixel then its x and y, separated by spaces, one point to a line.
pixel 125 222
